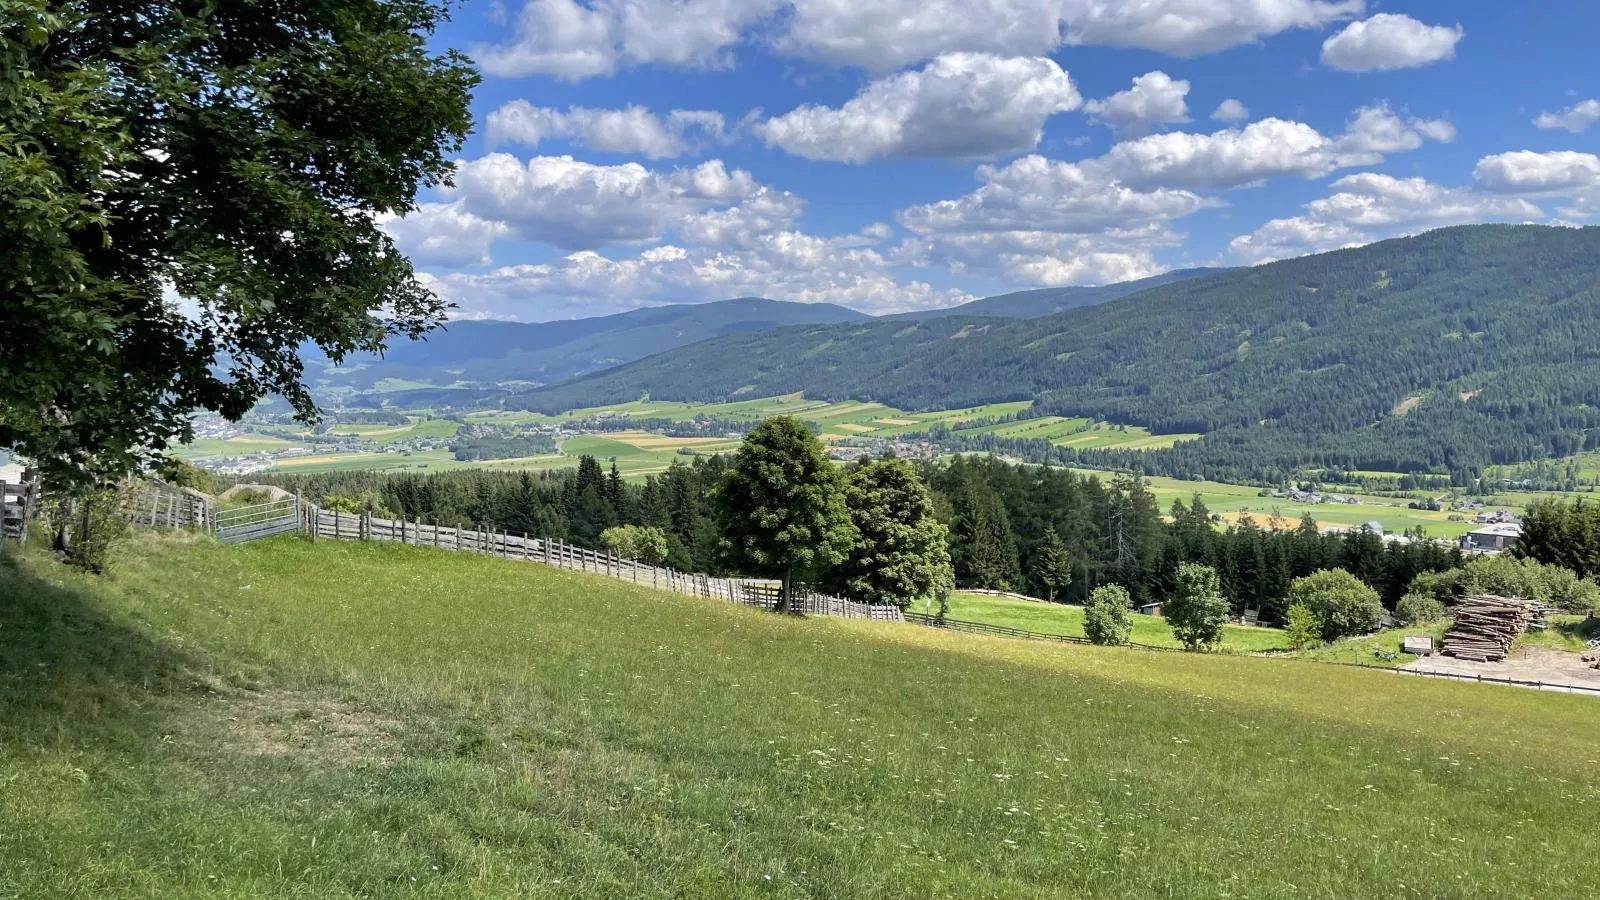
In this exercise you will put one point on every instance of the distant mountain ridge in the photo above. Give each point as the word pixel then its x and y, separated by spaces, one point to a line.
pixel 1049 301
pixel 485 353
pixel 1445 352
pixel 488 352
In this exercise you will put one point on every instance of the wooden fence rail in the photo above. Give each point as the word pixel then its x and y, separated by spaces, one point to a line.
pixel 332 524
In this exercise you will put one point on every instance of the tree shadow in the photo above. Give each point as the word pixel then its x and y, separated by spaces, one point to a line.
pixel 71 673
pixel 1583 630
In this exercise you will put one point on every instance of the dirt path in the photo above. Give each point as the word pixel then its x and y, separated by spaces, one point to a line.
pixel 1553 667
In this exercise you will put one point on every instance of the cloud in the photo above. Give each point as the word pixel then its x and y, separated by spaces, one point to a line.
pixel 783 265
pixel 632 129
pixel 1269 148
pixel 576 205
pixel 959 105
pixel 1389 41
pixel 575 39
pixel 1043 221
pixel 444 234
pixel 1230 110
pixel 1155 99
pixel 1368 206
pixel 1574 118
pixel 1530 172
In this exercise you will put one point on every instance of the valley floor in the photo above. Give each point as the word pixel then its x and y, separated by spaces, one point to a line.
pixel 284 718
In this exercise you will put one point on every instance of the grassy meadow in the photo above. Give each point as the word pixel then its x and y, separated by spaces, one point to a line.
pixel 335 720
pixel 1059 618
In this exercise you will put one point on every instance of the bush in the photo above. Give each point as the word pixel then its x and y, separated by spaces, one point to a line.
pixel 644 543
pixel 88 528
pixel 1342 601
pixel 1419 608
pixel 1304 628
pixel 1106 618
pixel 1197 610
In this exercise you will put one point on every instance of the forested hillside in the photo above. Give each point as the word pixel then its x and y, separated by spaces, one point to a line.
pixel 1046 301
pixel 546 352
pixel 1443 353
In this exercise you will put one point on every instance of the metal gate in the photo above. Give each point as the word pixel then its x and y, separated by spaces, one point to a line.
pixel 246 523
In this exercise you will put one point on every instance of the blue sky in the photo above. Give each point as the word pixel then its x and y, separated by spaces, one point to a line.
pixel 898 154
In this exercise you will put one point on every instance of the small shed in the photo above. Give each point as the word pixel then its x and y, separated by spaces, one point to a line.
pixel 1150 609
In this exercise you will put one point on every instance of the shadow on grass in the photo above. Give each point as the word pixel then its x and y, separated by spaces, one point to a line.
pixel 71 673
pixel 1582 630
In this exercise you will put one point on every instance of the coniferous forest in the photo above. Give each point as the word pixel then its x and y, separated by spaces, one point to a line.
pixel 1010 526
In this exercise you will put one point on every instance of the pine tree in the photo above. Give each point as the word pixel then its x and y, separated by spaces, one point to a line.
pixel 1052 566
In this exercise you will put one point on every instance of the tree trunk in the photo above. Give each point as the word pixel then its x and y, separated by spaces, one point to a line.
pixel 64 522
pixel 784 601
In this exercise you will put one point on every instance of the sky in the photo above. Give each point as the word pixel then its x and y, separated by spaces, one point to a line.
pixel 891 155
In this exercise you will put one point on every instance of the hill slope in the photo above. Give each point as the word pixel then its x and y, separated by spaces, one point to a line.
pixel 1443 352
pixel 340 720
pixel 1047 301
pixel 545 352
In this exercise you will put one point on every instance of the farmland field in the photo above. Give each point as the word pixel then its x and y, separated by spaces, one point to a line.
pixel 283 718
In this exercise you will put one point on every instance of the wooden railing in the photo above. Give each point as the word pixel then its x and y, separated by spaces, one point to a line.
pixel 332 524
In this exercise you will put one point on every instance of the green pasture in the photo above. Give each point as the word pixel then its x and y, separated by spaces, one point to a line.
pixel 339 720
pixel 1059 618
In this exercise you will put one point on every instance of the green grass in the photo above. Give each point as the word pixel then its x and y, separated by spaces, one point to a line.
pixel 1059 618
pixel 1369 649
pixel 340 719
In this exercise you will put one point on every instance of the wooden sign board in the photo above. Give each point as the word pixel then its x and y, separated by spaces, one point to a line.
pixel 1420 645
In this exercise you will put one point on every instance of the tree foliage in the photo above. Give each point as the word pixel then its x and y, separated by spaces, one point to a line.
pixel 1344 605
pixel 1197 610
pixel 235 156
pixel 1304 627
pixel 1419 608
pixel 782 506
pixel 1107 618
pixel 644 543
pixel 900 553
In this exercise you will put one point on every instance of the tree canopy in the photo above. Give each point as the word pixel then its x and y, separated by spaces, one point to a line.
pixel 782 506
pixel 190 193
pixel 900 553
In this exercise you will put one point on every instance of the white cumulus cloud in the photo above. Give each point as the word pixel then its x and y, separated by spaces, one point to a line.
pixel 1369 206
pixel 1230 110
pixel 1574 118
pixel 444 234
pixel 1156 98
pixel 577 39
pixel 1531 172
pixel 959 105
pixel 1389 41
pixel 632 129
pixel 574 205
pixel 1043 221
pixel 1268 148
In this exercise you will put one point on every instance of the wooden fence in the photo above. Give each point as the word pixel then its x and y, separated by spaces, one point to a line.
pixel 162 505
pixel 18 501
pixel 333 524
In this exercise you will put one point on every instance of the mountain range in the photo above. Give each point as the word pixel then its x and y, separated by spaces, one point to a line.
pixel 1443 352
pixel 494 353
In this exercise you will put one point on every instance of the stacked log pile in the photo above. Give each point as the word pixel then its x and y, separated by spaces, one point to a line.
pixel 1485 627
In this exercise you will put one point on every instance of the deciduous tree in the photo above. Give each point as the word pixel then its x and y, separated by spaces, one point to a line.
pixel 781 506
pixel 1197 611
pixel 901 552
pixel 190 193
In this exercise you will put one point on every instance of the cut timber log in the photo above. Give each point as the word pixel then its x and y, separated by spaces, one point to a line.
pixel 1486 626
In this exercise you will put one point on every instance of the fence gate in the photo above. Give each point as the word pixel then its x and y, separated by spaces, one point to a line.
pixel 246 523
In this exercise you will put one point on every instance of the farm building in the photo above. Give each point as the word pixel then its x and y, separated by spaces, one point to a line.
pixel 1491 538
pixel 1150 609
